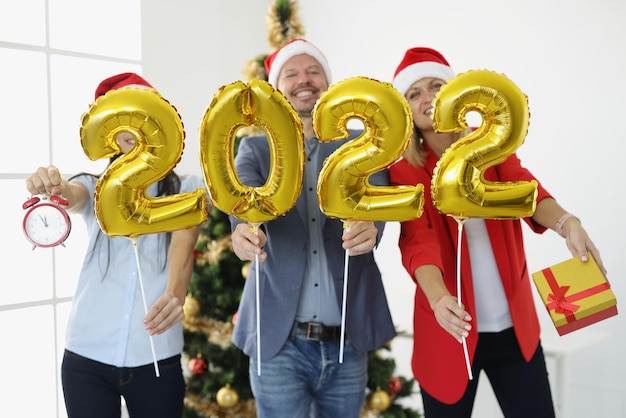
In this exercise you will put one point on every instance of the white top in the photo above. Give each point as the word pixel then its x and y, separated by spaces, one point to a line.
pixel 492 307
pixel 105 322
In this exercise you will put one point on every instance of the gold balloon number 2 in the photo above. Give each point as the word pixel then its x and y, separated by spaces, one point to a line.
pixel 122 206
pixel 458 185
pixel 343 188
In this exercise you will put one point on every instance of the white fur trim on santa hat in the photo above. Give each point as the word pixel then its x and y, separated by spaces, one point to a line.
pixel 296 47
pixel 411 73
pixel 136 86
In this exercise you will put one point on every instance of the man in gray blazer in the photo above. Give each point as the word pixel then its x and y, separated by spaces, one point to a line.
pixel 301 272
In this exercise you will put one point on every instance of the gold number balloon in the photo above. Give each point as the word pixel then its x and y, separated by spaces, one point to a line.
pixel 343 188
pixel 122 206
pixel 237 105
pixel 458 185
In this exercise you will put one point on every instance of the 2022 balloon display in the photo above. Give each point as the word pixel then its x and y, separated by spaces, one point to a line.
pixel 123 208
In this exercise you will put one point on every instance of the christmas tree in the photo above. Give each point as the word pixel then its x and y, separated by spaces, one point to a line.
pixel 385 389
pixel 217 384
pixel 217 379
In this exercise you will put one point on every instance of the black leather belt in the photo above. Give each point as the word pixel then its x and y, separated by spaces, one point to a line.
pixel 315 331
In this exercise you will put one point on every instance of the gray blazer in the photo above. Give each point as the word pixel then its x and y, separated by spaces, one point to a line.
pixel 368 320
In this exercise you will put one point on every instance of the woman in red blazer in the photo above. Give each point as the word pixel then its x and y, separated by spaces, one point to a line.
pixel 497 317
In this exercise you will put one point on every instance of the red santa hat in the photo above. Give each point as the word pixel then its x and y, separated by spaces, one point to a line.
pixel 420 63
pixel 297 46
pixel 119 81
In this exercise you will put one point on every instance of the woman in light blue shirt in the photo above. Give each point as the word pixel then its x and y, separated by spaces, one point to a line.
pixel 109 353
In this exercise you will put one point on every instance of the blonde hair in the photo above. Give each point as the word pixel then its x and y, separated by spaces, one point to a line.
pixel 415 153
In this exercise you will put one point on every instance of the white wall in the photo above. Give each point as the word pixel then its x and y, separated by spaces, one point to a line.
pixel 567 56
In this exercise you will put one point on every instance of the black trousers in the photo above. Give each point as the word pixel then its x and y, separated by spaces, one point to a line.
pixel 93 389
pixel 522 389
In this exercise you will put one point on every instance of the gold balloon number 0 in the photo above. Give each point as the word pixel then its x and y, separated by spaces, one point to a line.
pixel 122 206
pixel 343 188
pixel 458 185
pixel 237 105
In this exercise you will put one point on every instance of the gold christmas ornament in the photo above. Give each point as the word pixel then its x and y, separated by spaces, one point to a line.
pixel 245 269
pixel 379 400
pixel 244 409
pixel 191 307
pixel 227 397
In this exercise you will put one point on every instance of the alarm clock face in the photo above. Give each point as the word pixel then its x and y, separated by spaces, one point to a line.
pixel 46 225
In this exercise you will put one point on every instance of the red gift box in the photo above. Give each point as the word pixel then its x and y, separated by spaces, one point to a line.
pixel 576 294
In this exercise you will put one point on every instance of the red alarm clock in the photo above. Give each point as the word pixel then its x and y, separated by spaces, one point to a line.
pixel 46 223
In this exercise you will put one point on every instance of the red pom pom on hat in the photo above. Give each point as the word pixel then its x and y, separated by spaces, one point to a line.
pixel 297 46
pixel 418 63
pixel 119 81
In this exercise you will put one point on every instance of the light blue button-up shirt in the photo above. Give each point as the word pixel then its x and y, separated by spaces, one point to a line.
pixel 105 321
pixel 318 299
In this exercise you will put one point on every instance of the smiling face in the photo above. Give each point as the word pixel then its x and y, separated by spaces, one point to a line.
pixel 301 81
pixel 420 97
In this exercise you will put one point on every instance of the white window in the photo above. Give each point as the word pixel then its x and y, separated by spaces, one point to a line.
pixel 53 55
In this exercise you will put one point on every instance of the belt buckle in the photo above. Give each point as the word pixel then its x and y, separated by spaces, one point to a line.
pixel 314 331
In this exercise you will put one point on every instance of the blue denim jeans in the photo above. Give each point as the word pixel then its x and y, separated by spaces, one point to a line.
pixel 93 389
pixel 305 379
